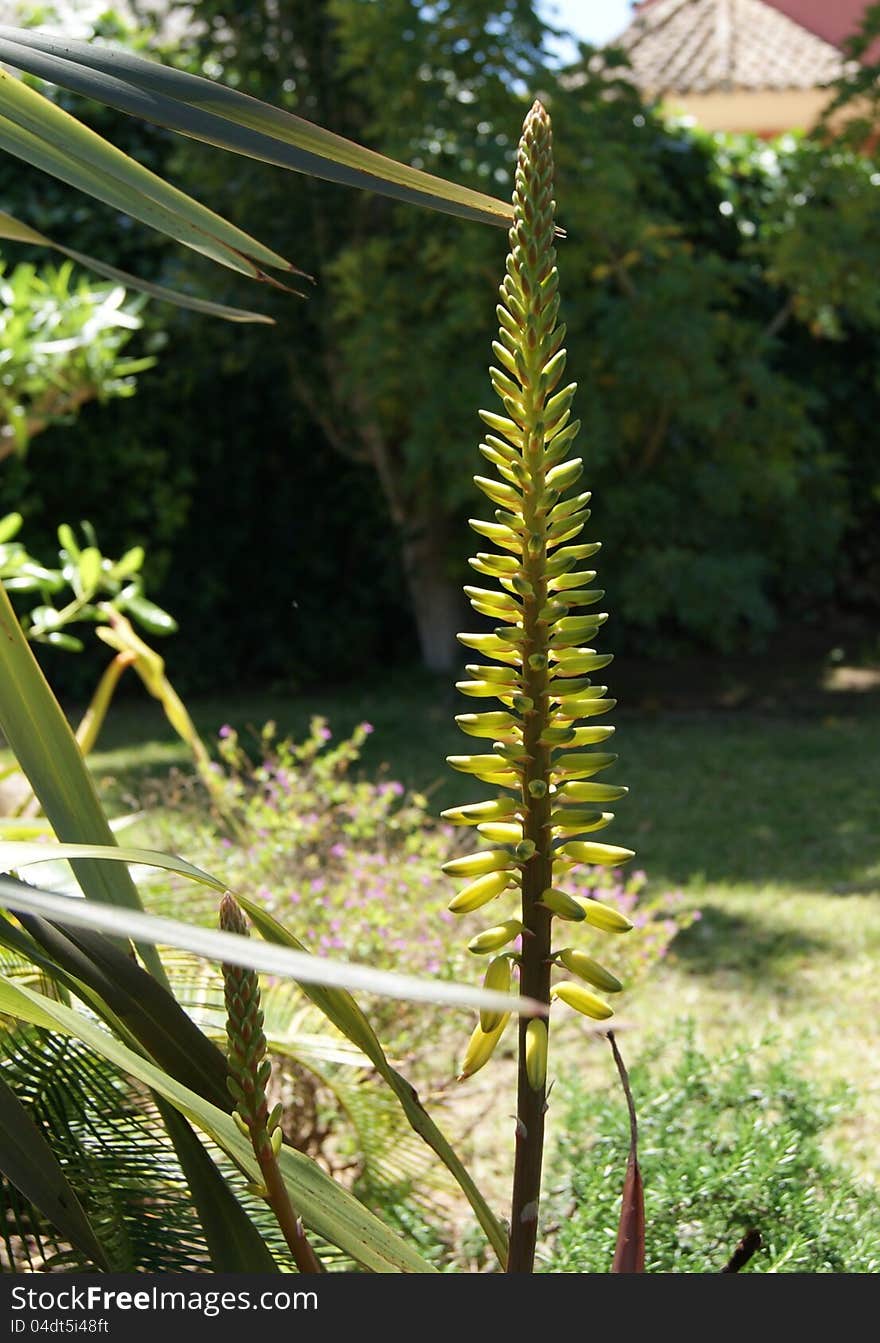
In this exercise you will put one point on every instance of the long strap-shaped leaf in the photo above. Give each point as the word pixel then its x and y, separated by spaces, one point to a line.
pixel 142 1014
pixel 15 853
pixel 138 1005
pixel 41 739
pixel 341 1009
pixel 27 1160
pixel 234 950
pixel 36 130
pixel 15 231
pixel 220 116
pixel 325 1206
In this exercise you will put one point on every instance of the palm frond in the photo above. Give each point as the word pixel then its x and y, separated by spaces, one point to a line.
pixel 109 1136
pixel 112 1145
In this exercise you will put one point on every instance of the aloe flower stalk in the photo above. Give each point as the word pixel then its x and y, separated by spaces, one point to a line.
pixel 249 1072
pixel 540 763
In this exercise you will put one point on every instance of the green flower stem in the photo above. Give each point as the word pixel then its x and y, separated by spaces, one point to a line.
pixel 93 719
pixel 279 1201
pixel 249 1071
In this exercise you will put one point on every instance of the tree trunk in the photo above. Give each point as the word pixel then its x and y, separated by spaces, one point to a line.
pixel 437 602
pixel 417 513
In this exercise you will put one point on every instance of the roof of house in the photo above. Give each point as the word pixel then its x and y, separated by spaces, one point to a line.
pixel 833 20
pixel 706 46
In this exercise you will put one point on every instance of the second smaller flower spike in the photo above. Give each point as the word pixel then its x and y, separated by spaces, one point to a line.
pixel 247 1079
pixel 249 1069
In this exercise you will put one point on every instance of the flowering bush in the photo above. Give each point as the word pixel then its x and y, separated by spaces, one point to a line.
pixel 353 864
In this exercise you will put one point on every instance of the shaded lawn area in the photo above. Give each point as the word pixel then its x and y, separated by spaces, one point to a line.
pixel 769 821
pixel 736 797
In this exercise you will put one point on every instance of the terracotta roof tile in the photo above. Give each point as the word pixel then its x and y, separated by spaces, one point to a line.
pixel 706 46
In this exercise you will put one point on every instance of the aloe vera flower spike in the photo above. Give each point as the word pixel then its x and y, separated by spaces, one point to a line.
pixel 543 683
pixel 247 1078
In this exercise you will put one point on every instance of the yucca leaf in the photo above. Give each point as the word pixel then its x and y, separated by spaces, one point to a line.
pixel 43 134
pixel 139 1004
pixel 140 1011
pixel 15 854
pixel 43 743
pixel 234 1243
pixel 27 1160
pixel 341 1009
pixel 15 231
pixel 273 960
pixel 326 1207
pixel 231 120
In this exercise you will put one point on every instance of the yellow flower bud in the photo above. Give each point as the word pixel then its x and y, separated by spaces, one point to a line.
pixel 493 939
pixel 582 965
pixel 536 1053
pixel 607 918
pixel 563 905
pixel 477 864
pixel 603 855
pixel 497 978
pixel 481 1047
pixel 582 1000
pixel 475 812
pixel 479 892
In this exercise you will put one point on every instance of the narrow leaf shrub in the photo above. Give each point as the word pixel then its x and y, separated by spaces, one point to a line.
pixel 726 1144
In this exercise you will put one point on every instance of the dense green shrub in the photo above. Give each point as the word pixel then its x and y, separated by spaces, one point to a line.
pixel 725 423
pixel 727 1144
pixel 730 388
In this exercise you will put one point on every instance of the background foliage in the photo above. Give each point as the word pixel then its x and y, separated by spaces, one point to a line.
pixel 726 341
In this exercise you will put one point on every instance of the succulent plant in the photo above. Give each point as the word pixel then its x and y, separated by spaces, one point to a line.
pixel 539 669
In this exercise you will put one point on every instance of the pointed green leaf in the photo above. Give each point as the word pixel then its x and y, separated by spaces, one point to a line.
pixel 139 1005
pixel 43 743
pixel 14 855
pixel 15 231
pixel 272 960
pixel 43 134
pixel 220 116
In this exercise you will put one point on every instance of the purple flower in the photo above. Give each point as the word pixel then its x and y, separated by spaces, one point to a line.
pixel 324 733
pixel 225 731
pixel 367 728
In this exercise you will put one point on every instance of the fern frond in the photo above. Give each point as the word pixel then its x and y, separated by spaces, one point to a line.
pixel 110 1139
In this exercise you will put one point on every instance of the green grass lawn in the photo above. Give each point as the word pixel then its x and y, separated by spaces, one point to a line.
pixel 768 820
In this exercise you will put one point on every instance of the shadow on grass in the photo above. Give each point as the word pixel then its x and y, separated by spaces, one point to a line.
pixel 754 799
pixel 725 941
